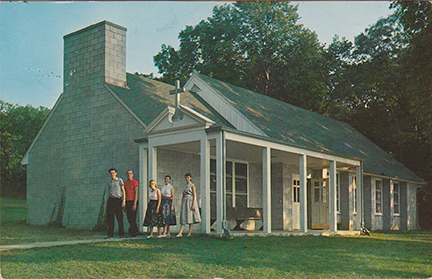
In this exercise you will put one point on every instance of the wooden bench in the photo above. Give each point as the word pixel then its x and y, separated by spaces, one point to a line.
pixel 240 215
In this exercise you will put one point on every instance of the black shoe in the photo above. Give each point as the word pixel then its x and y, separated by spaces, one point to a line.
pixel 109 237
pixel 122 236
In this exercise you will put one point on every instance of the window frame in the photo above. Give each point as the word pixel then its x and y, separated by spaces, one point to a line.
pixel 233 176
pixel 354 192
pixel 320 190
pixel 398 198
pixel 380 212
pixel 296 189
pixel 338 200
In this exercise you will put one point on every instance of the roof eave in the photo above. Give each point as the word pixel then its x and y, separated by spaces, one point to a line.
pixel 221 128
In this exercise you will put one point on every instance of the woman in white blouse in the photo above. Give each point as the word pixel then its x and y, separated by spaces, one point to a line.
pixel 167 206
pixel 153 217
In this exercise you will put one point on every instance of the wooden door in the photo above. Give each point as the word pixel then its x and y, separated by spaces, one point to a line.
pixel 320 204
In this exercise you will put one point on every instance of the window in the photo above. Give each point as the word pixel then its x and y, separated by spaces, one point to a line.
pixel 296 190
pixel 236 184
pixel 320 191
pixel 324 192
pixel 240 187
pixel 378 196
pixel 337 193
pixel 317 192
pixel 213 183
pixel 396 198
pixel 354 187
pixel 229 184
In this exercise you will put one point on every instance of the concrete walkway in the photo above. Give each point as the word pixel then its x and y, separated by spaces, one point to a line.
pixel 59 243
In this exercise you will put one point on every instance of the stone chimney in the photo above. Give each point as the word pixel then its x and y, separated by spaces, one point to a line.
pixel 94 55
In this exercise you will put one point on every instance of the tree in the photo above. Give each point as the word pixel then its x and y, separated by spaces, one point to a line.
pixel 381 85
pixel 339 100
pixel 255 45
pixel 18 127
pixel 416 20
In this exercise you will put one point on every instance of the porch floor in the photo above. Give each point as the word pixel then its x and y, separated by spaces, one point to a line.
pixel 291 233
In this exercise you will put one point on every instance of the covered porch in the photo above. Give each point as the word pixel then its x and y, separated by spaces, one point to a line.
pixel 249 184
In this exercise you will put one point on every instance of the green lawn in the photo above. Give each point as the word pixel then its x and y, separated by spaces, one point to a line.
pixel 383 255
pixel 14 229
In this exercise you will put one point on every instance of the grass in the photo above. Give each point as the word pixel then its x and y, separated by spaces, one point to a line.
pixel 15 230
pixel 383 255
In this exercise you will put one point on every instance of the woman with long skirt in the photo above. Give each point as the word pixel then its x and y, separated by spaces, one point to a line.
pixel 154 217
pixel 189 210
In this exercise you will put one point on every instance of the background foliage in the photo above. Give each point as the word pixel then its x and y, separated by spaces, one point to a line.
pixel 18 127
pixel 380 84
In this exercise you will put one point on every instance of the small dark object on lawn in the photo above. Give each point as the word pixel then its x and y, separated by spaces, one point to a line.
pixel 364 230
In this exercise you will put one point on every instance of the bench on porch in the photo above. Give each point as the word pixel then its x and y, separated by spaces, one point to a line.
pixel 240 215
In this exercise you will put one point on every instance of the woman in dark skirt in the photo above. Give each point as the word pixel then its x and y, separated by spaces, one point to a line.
pixel 154 217
pixel 167 206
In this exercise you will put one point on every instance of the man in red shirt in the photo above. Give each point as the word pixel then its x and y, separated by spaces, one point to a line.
pixel 131 188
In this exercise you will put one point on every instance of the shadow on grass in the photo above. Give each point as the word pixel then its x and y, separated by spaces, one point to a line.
pixel 15 230
pixel 241 257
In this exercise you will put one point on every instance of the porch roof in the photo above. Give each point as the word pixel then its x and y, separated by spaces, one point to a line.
pixel 299 127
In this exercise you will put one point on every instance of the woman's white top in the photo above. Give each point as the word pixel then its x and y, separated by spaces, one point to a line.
pixel 166 191
pixel 187 189
pixel 153 195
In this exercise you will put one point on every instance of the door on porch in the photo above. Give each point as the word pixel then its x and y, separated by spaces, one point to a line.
pixel 320 204
pixel 295 202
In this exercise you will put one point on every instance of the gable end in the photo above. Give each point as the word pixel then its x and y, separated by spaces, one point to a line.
pixel 24 160
pixel 230 113
pixel 166 121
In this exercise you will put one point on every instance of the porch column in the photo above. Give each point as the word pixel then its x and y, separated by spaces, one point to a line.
pixel 152 165
pixel 332 197
pixel 303 192
pixel 359 185
pixel 142 194
pixel 205 185
pixel 220 181
pixel 351 204
pixel 267 189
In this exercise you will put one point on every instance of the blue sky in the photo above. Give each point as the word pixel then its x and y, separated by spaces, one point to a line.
pixel 31 35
